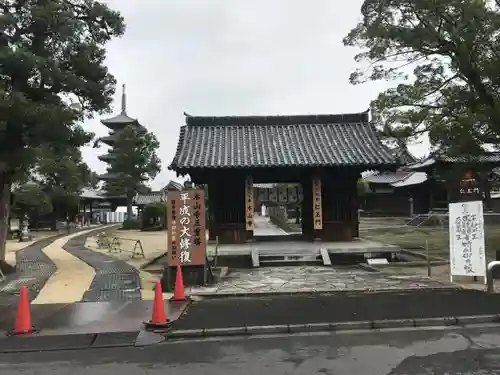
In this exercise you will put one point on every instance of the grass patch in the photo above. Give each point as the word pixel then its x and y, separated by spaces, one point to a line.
pixel 412 238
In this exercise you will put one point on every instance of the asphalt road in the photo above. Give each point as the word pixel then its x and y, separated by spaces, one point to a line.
pixel 416 352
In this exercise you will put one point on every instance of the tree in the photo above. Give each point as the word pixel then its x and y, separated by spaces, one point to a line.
pixel 93 181
pixel 51 53
pixel 31 200
pixel 362 187
pixel 453 50
pixel 62 174
pixel 134 161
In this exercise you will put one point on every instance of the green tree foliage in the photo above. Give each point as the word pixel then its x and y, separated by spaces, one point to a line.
pixel 153 216
pixel 62 174
pixel 362 187
pixel 51 53
pixel 134 161
pixel 446 56
pixel 31 200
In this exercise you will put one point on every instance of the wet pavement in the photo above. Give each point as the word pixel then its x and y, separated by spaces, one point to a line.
pixel 422 352
pixel 75 325
pixel 312 279
pixel 335 308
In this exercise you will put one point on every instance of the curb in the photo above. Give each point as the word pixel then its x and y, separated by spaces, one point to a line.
pixel 78 341
pixel 335 327
pixel 212 295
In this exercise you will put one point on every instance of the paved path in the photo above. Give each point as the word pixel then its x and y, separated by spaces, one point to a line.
pixel 114 279
pixel 264 227
pixel 61 270
pixel 33 269
pixel 472 351
pixel 72 278
pixel 313 279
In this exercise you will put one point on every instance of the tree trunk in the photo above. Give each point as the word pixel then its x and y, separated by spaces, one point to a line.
pixel 129 208
pixel 5 186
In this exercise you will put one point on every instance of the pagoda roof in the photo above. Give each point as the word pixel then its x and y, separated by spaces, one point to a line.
pixel 118 122
pixel 280 141
pixel 106 157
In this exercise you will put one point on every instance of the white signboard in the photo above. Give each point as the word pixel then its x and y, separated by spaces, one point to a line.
pixel 467 254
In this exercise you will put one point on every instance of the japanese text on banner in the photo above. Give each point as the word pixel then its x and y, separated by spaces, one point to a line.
pixel 185 237
pixel 317 206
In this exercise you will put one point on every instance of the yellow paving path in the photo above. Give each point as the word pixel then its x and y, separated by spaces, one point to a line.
pixel 72 278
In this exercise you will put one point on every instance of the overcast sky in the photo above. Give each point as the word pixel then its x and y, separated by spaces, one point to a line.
pixel 232 57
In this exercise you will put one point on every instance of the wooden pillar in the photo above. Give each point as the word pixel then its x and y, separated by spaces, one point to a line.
pixel 340 219
pixel 307 208
pixel 249 205
pixel 212 203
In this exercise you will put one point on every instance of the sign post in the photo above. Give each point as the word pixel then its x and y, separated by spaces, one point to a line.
pixel 249 204
pixel 317 205
pixel 186 229
pixel 467 252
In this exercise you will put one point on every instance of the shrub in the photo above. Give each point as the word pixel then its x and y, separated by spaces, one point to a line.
pixel 153 217
pixel 131 224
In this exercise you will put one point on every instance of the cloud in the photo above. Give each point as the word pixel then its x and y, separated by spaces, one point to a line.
pixel 220 57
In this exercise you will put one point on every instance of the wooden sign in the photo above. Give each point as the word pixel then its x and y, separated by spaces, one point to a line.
pixel 249 204
pixel 317 206
pixel 186 227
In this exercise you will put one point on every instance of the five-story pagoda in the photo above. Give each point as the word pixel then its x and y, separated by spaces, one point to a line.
pixel 116 125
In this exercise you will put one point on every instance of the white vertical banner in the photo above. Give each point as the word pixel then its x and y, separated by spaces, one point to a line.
pixel 467 253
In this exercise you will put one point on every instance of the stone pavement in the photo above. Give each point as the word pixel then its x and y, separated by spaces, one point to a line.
pixel 264 227
pixel 312 279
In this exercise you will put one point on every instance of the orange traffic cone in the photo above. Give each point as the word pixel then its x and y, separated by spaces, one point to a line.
pixel 159 317
pixel 22 325
pixel 179 286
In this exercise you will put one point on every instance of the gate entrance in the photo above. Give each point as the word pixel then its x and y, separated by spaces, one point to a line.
pixel 323 155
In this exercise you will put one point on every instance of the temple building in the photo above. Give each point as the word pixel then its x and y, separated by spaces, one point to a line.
pixel 325 154
pixel 116 124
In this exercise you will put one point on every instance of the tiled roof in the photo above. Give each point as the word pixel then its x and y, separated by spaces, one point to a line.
pixel 491 157
pixel 280 141
pixel 486 158
pixel 396 179
pixel 414 178
pixel 386 177
pixel 91 194
pixel 154 197
pixel 106 157
pixel 173 185
pixel 119 121
pixel 114 176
